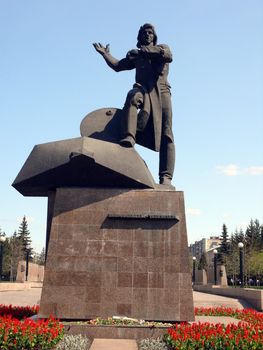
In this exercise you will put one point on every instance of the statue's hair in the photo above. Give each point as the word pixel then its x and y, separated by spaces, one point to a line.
pixel 142 28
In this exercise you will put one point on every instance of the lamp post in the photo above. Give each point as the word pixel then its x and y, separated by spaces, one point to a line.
pixel 27 261
pixel 194 261
pixel 2 240
pixel 215 265
pixel 241 262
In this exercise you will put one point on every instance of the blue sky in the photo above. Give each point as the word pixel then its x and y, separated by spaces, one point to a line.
pixel 51 77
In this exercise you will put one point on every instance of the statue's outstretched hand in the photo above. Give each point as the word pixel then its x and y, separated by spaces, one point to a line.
pixel 101 49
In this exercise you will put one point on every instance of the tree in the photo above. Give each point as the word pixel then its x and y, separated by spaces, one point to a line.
pixel 42 257
pixel 232 259
pixel 224 249
pixel 237 237
pixel 202 265
pixel 24 237
pixel 39 258
pixel 256 265
pixel 253 236
pixel 15 254
pixel 2 253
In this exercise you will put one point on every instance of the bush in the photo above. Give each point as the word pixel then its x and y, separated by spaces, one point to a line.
pixel 152 344
pixel 74 342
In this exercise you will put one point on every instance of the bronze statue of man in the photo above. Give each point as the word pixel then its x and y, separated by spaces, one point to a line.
pixel 150 95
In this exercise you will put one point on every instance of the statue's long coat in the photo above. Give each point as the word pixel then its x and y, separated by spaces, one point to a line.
pixel 152 67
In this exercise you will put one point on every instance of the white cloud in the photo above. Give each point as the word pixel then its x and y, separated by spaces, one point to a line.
pixel 234 170
pixel 254 170
pixel 229 170
pixel 193 211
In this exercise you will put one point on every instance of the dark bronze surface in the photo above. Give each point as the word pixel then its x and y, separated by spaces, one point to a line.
pixel 82 161
pixel 152 125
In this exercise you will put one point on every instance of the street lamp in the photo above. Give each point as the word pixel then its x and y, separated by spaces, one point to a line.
pixel 194 261
pixel 2 240
pixel 215 265
pixel 241 262
pixel 27 261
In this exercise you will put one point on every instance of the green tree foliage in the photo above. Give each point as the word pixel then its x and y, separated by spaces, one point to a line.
pixel 2 254
pixel 202 264
pixel 256 264
pixel 42 257
pixel 2 233
pixel 252 239
pixel 253 236
pixel 24 237
pixel 39 258
pixel 14 249
pixel 14 255
pixel 224 249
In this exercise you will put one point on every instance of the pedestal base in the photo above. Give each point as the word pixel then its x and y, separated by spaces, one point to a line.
pixel 117 252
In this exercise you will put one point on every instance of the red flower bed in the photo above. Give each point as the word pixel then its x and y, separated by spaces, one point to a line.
pixel 18 312
pixel 29 334
pixel 247 335
pixel 208 336
pixel 247 315
pixel 17 331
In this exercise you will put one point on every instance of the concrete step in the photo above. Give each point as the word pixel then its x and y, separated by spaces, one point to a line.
pixel 114 344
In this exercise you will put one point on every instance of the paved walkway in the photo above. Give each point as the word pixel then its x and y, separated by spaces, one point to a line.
pixel 114 344
pixel 213 300
pixel 32 297
pixel 21 297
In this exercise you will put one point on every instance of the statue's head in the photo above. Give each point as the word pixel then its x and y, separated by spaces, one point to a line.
pixel 146 33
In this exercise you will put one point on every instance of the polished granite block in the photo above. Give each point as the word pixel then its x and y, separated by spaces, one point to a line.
pixel 117 252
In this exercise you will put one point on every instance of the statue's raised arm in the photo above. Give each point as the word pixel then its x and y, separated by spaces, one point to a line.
pixel 101 49
pixel 112 62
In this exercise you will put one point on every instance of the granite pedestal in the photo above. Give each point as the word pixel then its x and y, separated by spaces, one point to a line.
pixel 117 252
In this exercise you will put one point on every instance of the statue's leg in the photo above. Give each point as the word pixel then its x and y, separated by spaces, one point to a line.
pixel 167 150
pixel 167 161
pixel 134 101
